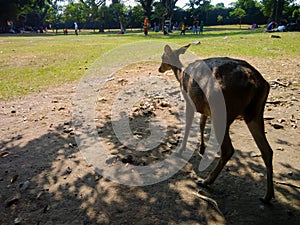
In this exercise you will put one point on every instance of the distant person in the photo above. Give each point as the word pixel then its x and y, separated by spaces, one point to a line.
pixel 195 26
pixel 271 26
pixel 146 26
pixel 76 28
pixel 182 29
pixel 201 27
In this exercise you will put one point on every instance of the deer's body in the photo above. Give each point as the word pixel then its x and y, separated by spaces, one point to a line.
pixel 245 92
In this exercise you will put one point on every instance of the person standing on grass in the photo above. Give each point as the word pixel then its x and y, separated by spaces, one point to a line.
pixel 201 27
pixel 182 29
pixel 195 26
pixel 146 26
pixel 76 28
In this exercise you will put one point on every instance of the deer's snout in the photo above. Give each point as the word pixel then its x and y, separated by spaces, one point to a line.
pixel 163 68
pixel 160 69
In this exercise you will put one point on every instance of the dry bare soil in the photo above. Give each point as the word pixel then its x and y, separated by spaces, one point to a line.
pixel 44 178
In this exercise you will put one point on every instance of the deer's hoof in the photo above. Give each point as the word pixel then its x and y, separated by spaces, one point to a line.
pixel 265 201
pixel 202 149
pixel 202 184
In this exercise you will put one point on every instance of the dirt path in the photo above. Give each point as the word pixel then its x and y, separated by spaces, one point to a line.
pixel 44 178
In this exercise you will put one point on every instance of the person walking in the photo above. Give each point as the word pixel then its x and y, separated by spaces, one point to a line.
pixel 76 28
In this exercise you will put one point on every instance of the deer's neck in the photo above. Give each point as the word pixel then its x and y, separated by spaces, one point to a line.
pixel 178 73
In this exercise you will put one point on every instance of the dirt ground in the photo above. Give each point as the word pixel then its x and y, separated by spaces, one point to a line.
pixel 44 178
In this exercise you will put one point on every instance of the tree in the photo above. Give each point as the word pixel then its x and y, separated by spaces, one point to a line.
pixel 240 13
pixel 76 12
pixel 275 8
pixel 169 6
pixel 54 17
pixel 220 5
pixel 220 19
pixel 200 9
pixel 138 15
pixel 159 12
pixel 147 6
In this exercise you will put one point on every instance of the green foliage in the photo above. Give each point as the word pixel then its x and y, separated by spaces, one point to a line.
pixel 95 14
pixel 76 12
pixel 238 12
pixel 138 15
pixel 159 11
pixel 147 5
pixel 220 18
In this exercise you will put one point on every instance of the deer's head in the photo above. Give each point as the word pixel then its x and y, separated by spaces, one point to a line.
pixel 170 58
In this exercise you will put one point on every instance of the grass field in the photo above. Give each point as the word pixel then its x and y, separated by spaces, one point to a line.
pixel 33 62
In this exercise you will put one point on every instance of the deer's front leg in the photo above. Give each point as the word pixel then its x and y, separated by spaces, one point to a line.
pixel 202 127
pixel 189 116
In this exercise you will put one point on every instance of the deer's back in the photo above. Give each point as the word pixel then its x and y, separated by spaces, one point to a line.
pixel 242 85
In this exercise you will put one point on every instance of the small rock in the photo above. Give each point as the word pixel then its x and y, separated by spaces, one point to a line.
pixel 14 178
pixel 13 200
pixel 261 174
pixel 169 145
pixel 253 154
pixel 102 99
pixel 111 160
pixel 281 120
pixel 280 149
pixel 38 196
pixel 68 170
pixel 277 125
pixel 268 117
pixel 97 178
pixel 68 130
pixel 290 173
pixel 17 221
pixel 164 104
pixel 127 159
pixel 13 111
pixel 109 79
pixel 24 186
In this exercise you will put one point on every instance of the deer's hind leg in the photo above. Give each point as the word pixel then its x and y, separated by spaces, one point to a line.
pixel 256 127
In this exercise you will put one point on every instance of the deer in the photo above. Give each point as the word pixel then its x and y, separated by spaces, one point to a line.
pixel 245 93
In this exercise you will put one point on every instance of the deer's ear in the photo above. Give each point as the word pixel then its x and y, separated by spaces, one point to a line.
pixel 183 49
pixel 168 50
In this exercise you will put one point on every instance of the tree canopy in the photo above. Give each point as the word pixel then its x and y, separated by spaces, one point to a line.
pixel 97 14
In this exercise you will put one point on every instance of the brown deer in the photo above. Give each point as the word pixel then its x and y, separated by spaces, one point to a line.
pixel 244 92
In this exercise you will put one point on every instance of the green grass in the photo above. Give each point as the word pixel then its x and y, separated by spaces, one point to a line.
pixel 31 63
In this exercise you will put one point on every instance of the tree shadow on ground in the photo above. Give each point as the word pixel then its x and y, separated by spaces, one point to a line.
pixel 64 189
